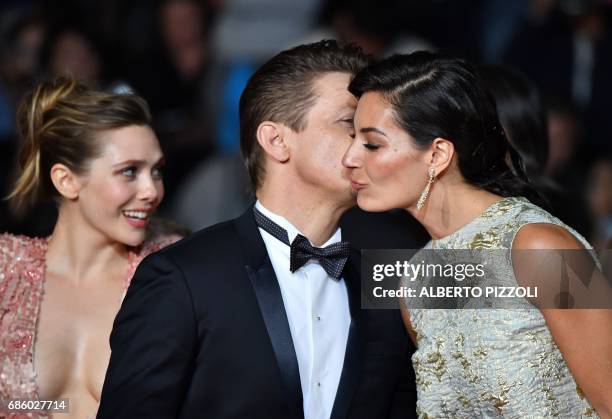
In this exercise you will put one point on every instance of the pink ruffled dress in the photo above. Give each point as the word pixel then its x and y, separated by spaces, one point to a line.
pixel 22 265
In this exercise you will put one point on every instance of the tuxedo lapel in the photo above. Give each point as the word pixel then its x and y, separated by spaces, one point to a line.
pixel 351 370
pixel 265 284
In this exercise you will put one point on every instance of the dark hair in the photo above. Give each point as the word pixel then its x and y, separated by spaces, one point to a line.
pixel 282 90
pixel 434 96
pixel 522 115
pixel 58 122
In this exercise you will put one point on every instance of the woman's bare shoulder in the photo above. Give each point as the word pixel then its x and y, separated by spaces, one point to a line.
pixel 545 236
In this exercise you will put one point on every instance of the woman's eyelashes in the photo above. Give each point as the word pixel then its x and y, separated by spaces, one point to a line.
pixel 371 146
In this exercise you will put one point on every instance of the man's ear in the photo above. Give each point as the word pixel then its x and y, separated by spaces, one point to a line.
pixel 442 152
pixel 270 136
pixel 67 183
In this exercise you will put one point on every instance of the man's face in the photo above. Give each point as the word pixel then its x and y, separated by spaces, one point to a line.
pixel 317 150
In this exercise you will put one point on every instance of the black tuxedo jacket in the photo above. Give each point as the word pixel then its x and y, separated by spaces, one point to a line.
pixel 203 333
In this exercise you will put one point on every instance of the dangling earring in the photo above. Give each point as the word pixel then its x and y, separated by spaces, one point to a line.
pixel 425 193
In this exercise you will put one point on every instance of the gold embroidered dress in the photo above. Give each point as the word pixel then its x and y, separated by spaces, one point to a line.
pixel 476 363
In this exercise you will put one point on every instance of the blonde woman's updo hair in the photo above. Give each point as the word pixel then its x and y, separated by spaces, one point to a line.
pixel 60 122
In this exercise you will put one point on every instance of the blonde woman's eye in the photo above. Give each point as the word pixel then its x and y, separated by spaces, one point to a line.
pixel 158 172
pixel 129 172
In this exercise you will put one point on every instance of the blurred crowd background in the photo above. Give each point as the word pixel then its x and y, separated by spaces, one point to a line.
pixel 190 59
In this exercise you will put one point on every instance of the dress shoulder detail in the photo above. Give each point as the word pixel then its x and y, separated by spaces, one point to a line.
pixel 21 258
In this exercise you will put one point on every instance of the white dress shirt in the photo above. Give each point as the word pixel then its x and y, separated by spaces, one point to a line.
pixel 319 319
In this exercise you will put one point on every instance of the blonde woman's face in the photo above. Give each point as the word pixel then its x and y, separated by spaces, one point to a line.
pixel 123 186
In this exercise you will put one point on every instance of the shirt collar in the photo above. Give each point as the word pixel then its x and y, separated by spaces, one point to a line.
pixel 292 231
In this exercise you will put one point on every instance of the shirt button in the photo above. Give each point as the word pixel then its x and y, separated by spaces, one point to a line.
pixel 318 384
pixel 319 318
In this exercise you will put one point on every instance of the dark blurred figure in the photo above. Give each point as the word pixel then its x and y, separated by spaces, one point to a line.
pixel 565 132
pixel 184 34
pixel 373 27
pixel 564 46
pixel 542 48
pixel 568 164
pixel 21 38
pixel 547 158
pixel 599 197
pixel 22 35
pixel 69 49
pixel 78 51
pixel 499 21
pixel 390 26
pixel 253 30
pixel 182 121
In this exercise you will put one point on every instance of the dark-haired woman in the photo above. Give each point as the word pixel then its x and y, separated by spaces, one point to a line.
pixel 428 139
pixel 94 154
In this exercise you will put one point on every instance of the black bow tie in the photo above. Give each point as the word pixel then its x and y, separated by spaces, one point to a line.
pixel 332 258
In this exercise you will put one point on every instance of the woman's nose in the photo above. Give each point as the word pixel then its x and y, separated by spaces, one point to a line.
pixel 351 157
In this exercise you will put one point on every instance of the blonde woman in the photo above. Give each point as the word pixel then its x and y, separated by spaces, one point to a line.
pixel 95 155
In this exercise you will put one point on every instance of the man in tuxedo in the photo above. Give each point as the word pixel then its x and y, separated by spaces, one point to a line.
pixel 259 317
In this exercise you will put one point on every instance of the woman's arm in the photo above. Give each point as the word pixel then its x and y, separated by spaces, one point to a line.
pixel 584 336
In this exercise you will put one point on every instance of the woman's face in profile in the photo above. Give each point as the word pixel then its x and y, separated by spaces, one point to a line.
pixel 123 186
pixel 386 169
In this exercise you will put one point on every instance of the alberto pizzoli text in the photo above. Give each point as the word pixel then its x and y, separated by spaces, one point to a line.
pixel 457 292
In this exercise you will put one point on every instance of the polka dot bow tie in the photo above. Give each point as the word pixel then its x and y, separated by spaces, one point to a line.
pixel 332 258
